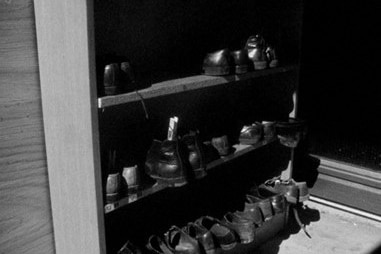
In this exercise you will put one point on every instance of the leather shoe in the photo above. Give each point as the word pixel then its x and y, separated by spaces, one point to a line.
pixel 165 163
pixel 225 236
pixel 195 152
pixel 129 248
pixel 294 192
pixel 251 134
pixel 272 57
pixel 180 242
pixel 217 63
pixel 202 235
pixel 241 61
pixel 244 227
pixel 255 46
pixel 157 246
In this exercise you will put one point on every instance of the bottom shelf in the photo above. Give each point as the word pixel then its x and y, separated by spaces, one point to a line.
pixel 239 150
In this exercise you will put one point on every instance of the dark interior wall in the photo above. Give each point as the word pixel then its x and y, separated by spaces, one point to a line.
pixel 174 36
pixel 25 215
pixel 340 77
pixel 339 84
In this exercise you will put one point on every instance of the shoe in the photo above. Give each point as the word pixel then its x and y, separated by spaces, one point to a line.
pixel 277 200
pixel 255 46
pixel 111 79
pixel 274 210
pixel 241 61
pixel 294 192
pixel 195 152
pixel 269 131
pixel 202 235
pixel 278 203
pixel 222 145
pixel 271 57
pixel 157 246
pixel 291 132
pixel 164 163
pixel 244 227
pixel 225 236
pixel 252 213
pixel 217 63
pixel 180 242
pixel 127 77
pixel 251 134
pixel 264 205
pixel 129 248
pixel 113 187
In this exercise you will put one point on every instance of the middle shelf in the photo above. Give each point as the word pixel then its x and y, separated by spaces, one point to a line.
pixel 239 150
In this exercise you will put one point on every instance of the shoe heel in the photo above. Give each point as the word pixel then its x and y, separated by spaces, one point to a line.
pixel 260 65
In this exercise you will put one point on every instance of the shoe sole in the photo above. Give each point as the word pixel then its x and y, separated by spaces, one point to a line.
pixel 199 173
pixel 273 64
pixel 171 182
pixel 248 141
pixel 228 246
pixel 113 197
pixel 217 71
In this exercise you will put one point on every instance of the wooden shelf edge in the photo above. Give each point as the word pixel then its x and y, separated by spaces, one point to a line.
pixel 239 151
pixel 175 86
pixel 133 197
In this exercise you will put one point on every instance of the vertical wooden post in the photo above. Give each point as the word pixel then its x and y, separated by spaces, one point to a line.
pixel 67 74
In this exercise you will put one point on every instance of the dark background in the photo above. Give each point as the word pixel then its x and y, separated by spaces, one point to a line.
pixel 339 84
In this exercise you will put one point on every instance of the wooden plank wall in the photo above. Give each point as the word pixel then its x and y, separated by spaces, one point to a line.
pixel 25 215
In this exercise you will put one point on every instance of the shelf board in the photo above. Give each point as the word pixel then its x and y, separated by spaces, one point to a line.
pixel 239 151
pixel 186 84
pixel 134 197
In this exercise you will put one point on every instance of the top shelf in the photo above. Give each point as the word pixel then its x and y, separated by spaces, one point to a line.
pixel 186 84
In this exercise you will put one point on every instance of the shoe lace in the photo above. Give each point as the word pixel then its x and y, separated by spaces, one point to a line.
pixel 143 104
pixel 297 218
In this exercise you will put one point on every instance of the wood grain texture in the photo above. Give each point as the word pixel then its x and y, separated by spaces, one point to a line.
pixel 25 215
pixel 67 76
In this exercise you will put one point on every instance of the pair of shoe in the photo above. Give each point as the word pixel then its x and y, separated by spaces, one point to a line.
pixel 255 55
pixel 262 55
pixel 252 134
pixel 204 235
pixel 191 239
pixel 295 193
pixel 118 78
pixel 225 62
pixel 174 162
pixel 268 215
pixel 224 236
